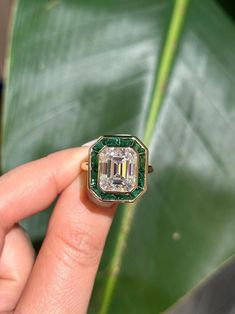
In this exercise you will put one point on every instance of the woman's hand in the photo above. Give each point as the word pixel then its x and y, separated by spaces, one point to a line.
pixel 61 278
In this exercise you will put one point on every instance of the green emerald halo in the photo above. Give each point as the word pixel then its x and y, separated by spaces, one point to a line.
pixel 134 170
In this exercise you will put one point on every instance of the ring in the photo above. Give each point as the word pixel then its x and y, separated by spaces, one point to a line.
pixel 117 169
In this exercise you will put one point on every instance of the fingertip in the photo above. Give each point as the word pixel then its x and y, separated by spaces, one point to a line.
pixel 90 143
pixel 16 263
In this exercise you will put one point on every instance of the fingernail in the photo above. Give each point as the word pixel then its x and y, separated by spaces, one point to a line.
pixel 90 143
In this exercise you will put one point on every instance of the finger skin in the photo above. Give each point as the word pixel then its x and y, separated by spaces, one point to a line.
pixel 73 242
pixel 63 276
pixel 32 187
pixel 16 262
pixel 25 191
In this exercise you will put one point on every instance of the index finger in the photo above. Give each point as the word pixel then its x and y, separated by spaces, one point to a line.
pixel 32 187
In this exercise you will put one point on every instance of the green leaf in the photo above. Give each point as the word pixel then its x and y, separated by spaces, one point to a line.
pixel 79 69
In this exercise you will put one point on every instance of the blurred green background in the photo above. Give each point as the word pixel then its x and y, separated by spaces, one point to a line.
pixel 163 70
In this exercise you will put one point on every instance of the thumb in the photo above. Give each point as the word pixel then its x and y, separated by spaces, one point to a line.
pixel 63 276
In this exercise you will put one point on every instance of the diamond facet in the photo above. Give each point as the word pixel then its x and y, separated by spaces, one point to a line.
pixel 118 169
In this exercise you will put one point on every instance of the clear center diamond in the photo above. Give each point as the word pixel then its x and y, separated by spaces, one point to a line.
pixel 118 169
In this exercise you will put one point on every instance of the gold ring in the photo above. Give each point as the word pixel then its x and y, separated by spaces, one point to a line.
pixel 117 169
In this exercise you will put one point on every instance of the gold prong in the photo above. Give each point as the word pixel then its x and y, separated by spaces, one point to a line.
pixel 84 166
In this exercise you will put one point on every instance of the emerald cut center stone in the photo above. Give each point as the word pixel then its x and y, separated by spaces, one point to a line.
pixel 118 169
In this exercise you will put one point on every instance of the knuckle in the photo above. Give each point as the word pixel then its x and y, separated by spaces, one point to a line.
pixel 79 244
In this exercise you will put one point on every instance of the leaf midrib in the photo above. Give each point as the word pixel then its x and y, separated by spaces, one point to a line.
pixel 165 65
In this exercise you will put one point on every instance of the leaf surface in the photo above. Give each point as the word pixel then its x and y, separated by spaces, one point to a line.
pixel 79 69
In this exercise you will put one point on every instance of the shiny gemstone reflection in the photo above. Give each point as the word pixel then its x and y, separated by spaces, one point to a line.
pixel 118 169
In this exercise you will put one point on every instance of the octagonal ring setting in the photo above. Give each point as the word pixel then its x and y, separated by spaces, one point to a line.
pixel 117 169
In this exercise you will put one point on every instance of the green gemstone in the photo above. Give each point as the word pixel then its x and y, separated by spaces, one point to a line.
pixel 126 142
pixel 93 182
pixel 94 175
pixel 98 146
pixel 142 162
pixel 135 193
pixel 112 142
pixel 94 162
pixel 109 196
pixel 141 180
pixel 139 148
